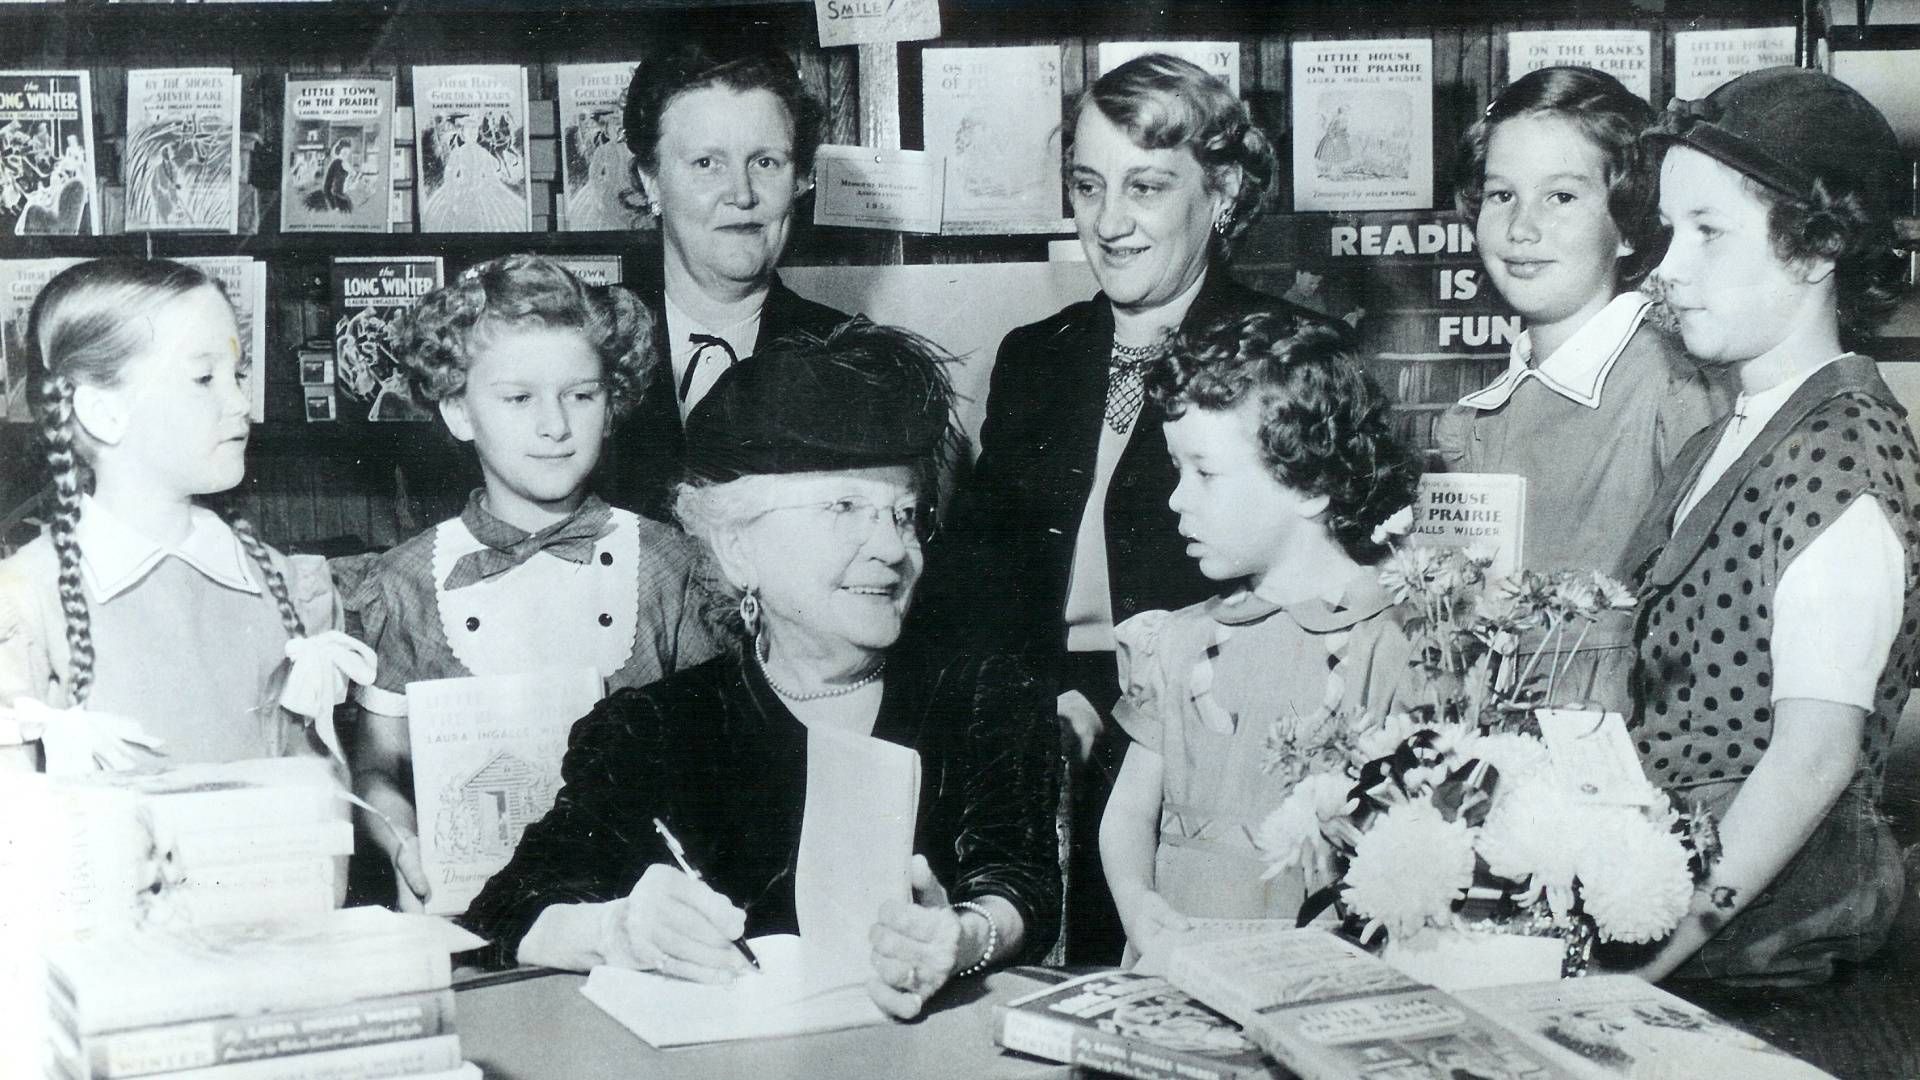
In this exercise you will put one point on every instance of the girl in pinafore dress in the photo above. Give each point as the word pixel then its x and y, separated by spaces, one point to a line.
pixel 531 366
pixel 141 620
pixel 1288 474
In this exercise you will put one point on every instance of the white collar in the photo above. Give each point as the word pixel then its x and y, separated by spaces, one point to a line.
pixel 680 324
pixel 1578 369
pixel 114 556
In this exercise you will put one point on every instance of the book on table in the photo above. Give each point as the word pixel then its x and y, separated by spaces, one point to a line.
pixel 357 994
pixel 1328 1010
pixel 1129 1024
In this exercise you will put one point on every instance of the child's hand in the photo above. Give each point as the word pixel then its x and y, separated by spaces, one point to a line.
pixel 1151 918
pixel 409 874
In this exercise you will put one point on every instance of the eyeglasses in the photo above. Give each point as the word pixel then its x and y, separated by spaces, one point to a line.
pixel 852 519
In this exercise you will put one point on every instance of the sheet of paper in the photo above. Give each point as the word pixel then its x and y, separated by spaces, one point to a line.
pixel 856 842
pixel 486 764
pixel 875 22
pixel 1221 58
pixel 1623 54
pixel 791 994
pixel 864 188
pixel 994 116
pixel 1363 125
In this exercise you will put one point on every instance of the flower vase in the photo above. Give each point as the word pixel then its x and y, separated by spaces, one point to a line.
pixel 1487 954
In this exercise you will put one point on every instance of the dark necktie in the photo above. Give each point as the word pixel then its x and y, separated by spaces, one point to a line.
pixel 705 344
pixel 571 538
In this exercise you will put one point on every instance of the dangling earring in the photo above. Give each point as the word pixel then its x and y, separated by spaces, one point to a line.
pixel 750 612
pixel 1223 221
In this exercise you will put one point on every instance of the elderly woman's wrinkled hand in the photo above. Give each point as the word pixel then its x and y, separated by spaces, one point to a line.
pixel 677 925
pixel 916 947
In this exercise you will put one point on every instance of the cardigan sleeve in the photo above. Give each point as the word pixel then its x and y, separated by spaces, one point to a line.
pixel 1007 767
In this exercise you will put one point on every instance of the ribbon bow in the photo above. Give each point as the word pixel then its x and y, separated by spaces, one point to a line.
pixel 75 740
pixel 322 666
pixel 1683 113
pixel 571 539
pixel 1397 524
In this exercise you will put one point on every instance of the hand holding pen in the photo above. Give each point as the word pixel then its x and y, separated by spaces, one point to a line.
pixel 674 922
pixel 680 856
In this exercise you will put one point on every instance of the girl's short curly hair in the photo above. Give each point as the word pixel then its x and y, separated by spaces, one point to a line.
pixel 1612 118
pixel 1832 222
pixel 436 338
pixel 1324 423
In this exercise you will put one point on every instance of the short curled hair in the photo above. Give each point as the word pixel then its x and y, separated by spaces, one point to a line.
pixel 1324 424
pixel 1869 276
pixel 735 61
pixel 1612 118
pixel 1163 103
pixel 436 337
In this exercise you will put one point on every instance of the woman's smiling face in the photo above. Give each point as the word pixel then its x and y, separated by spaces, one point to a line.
pixel 1144 216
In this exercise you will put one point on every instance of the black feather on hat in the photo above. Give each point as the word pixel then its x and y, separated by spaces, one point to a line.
pixel 863 396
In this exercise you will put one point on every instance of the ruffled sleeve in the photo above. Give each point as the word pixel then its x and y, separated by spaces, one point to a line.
pixel 1143 680
pixel 310 587
pixel 369 614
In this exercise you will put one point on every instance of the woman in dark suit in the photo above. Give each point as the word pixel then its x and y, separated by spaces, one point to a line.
pixel 1063 530
pixel 723 135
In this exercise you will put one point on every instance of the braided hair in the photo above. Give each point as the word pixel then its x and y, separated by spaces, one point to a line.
pixel 84 327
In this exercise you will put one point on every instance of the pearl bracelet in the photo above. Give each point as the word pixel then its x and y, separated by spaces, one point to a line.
pixel 993 939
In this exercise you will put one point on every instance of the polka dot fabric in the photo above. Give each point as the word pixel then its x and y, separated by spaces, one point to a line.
pixel 1705 669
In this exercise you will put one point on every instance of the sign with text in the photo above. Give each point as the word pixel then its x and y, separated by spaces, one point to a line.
pixel 1623 54
pixel 1703 60
pixel 1363 125
pixel 863 188
pixel 875 22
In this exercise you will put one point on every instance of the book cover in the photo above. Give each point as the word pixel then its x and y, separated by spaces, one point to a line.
pixel 47 184
pixel 1484 512
pixel 210 895
pixel 1220 59
pixel 593 269
pixel 1129 1024
pixel 1705 60
pixel 595 163
pixel 486 764
pixel 1362 125
pixel 138 978
pixel 1618 1027
pixel 369 293
pixel 1623 54
pixel 229 1040
pixel 20 283
pixel 1330 1011
pixel 336 172
pixel 470 124
pixel 245 281
pixel 182 157
pixel 994 116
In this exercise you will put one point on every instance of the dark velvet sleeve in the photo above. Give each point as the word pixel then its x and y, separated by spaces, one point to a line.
pixel 595 842
pixel 1002 788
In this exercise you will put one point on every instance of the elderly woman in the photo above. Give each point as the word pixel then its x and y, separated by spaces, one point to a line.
pixel 723 135
pixel 1064 528
pixel 809 473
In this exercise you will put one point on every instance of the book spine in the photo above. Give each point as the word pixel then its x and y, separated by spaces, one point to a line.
pixel 440 1053
pixel 179 814
pixel 114 1004
pixel 235 1039
pixel 1075 1044
pixel 217 847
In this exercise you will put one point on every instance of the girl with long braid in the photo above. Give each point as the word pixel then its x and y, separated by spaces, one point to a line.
pixel 140 620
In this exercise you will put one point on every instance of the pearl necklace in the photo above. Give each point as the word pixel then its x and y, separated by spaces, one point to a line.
pixel 818 695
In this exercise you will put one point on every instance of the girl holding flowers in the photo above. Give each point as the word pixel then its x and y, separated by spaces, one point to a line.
pixel 1288 476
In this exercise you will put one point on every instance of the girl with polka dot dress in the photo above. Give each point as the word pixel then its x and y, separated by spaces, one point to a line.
pixel 1288 474
pixel 1779 624
pixel 530 366
pixel 142 628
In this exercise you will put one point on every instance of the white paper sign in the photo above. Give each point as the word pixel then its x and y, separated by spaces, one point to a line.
pixel 874 22
pixel 1221 58
pixel 1623 54
pixel 1703 60
pixel 863 188
pixel 1363 125
pixel 994 115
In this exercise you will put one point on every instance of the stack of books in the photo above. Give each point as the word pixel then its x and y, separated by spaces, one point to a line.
pixel 241 841
pixel 358 994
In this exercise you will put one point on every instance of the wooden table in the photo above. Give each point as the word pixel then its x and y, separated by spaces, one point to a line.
pixel 541 1028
